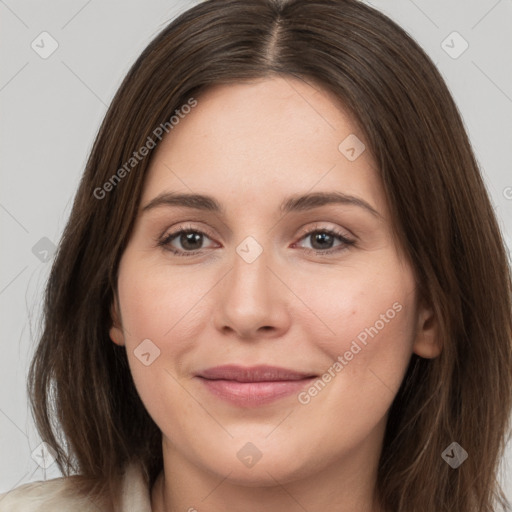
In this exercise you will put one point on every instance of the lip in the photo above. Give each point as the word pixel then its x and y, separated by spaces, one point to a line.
pixel 253 386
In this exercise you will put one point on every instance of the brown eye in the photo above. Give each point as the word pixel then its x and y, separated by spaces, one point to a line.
pixel 322 241
pixel 184 242
pixel 189 240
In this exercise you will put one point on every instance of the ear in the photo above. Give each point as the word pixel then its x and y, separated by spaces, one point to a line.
pixel 427 343
pixel 116 330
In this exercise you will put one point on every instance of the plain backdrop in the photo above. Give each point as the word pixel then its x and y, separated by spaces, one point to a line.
pixel 52 108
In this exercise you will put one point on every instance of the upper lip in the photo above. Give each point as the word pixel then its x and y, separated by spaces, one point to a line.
pixel 261 373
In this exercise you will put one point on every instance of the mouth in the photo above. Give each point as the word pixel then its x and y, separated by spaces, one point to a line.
pixel 253 386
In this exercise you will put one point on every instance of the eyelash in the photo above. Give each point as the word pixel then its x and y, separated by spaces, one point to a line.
pixel 166 240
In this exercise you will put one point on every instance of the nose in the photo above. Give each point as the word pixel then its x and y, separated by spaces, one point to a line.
pixel 251 300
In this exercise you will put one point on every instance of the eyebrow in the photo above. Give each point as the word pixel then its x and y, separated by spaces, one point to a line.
pixel 296 203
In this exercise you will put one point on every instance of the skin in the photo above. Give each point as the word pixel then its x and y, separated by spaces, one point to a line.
pixel 250 146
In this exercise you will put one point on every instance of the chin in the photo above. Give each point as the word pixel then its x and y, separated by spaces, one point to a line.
pixel 274 465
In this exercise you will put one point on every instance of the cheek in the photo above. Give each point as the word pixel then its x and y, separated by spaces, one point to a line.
pixel 159 322
pixel 368 321
pixel 160 304
pixel 363 305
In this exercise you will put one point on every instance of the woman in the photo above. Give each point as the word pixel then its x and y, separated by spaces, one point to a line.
pixel 272 292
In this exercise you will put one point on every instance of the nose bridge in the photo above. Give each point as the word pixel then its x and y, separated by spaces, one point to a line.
pixel 250 276
pixel 249 299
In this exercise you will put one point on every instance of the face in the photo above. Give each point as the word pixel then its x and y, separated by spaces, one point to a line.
pixel 306 305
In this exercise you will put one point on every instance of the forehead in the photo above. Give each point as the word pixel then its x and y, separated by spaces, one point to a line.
pixel 255 142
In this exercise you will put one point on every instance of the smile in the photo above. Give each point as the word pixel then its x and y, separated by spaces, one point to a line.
pixel 253 386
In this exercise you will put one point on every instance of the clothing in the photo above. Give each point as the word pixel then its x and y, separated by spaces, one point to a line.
pixel 46 496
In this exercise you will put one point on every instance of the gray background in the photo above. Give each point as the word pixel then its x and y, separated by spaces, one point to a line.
pixel 52 108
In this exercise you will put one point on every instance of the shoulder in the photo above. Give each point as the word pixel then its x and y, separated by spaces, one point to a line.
pixel 60 494
pixel 45 496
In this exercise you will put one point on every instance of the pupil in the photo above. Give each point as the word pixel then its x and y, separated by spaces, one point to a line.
pixel 322 238
pixel 188 240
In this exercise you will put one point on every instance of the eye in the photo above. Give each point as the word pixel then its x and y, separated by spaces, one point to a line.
pixel 322 241
pixel 189 238
pixel 191 241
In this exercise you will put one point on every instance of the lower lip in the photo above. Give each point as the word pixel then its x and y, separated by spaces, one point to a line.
pixel 251 394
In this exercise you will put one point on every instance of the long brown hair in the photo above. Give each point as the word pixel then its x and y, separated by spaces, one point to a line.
pixel 82 394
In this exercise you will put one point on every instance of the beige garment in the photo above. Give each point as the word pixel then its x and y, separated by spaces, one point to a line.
pixel 46 496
